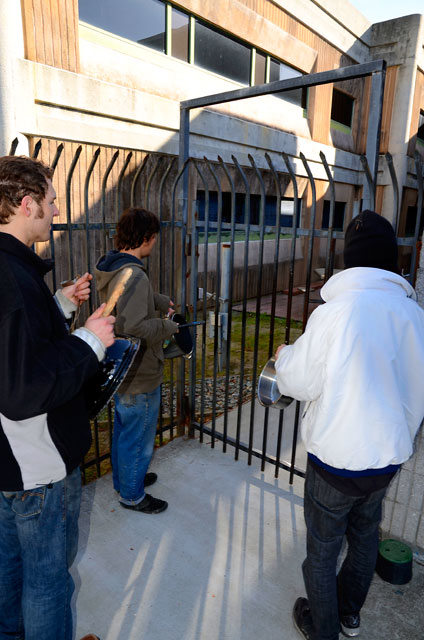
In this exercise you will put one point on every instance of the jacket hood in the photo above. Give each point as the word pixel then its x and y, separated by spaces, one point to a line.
pixel 109 264
pixel 366 278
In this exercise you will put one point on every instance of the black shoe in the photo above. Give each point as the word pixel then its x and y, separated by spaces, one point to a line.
pixel 150 478
pixel 149 504
pixel 351 625
pixel 302 618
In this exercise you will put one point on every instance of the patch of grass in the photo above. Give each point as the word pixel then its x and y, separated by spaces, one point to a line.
pixel 263 344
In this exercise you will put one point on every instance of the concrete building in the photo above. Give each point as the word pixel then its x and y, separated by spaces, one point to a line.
pixel 113 74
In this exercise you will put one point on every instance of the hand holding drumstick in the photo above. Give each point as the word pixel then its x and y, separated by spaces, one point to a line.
pixel 101 322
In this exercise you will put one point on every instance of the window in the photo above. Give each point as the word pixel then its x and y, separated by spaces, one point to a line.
pixel 161 26
pixel 280 71
pixel 420 132
pixel 260 68
pixel 180 30
pixel 286 210
pixel 339 214
pixel 342 111
pixel 220 53
pixel 141 21
pixel 411 221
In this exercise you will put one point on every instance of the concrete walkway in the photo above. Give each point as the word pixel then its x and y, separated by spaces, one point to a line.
pixel 222 563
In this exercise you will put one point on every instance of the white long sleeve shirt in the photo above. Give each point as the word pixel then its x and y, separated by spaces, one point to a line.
pixel 360 366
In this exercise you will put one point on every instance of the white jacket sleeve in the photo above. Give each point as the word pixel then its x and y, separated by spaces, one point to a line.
pixel 301 367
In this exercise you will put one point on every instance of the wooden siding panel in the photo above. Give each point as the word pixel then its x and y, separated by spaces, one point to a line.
pixel 417 104
pixel 51 32
pixel 389 96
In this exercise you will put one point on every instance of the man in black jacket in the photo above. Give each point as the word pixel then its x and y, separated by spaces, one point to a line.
pixel 44 429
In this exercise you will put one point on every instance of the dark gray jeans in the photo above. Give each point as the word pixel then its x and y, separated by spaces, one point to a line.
pixel 329 516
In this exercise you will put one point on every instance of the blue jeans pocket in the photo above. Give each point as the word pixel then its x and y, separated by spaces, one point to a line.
pixel 27 504
pixel 128 400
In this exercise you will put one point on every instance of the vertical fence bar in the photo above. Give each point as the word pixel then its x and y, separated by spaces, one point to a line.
pixel 375 115
pixel 37 149
pixel 52 247
pixel 204 297
pixel 371 186
pixel 395 219
pixel 228 309
pixel 329 262
pixel 136 178
pixel 258 303
pixel 311 239
pixel 161 280
pixel 180 378
pixel 244 306
pixel 69 211
pixel 103 199
pixel 272 317
pixel 87 217
pixel 118 193
pixel 419 170
pixel 216 343
pixel 13 146
pixel 293 245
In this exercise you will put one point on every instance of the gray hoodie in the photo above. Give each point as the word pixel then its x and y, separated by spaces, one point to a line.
pixel 137 315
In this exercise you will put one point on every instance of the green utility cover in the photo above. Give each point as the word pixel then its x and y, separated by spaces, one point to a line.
pixel 395 551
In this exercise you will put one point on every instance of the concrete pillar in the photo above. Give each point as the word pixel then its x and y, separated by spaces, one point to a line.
pixel 11 48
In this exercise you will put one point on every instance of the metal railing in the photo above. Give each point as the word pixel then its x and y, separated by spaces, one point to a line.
pixel 204 261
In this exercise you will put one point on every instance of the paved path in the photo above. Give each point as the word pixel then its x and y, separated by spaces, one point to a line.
pixel 222 563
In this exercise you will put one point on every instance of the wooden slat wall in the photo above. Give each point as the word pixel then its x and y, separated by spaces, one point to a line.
pixel 389 96
pixel 417 105
pixel 51 32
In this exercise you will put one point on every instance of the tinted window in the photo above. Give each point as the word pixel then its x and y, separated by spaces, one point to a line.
pixel 339 213
pixel 180 34
pixel 342 108
pixel 220 53
pixel 280 71
pixel 260 68
pixel 142 21
pixel 420 133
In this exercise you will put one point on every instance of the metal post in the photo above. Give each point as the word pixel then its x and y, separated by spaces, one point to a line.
pixel 374 127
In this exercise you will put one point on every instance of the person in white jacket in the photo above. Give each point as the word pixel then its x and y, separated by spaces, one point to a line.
pixel 359 366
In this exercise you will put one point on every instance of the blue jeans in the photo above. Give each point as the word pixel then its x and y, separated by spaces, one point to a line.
pixel 329 516
pixel 134 432
pixel 38 543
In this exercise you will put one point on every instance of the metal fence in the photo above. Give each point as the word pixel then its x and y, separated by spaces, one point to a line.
pixel 238 252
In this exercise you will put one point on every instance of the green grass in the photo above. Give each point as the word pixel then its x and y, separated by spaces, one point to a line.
pixel 263 342
pixel 240 236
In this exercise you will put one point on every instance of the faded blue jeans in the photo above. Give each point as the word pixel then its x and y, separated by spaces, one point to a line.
pixel 329 516
pixel 38 543
pixel 134 432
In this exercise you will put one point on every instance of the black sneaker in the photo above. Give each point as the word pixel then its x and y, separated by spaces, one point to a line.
pixel 149 504
pixel 351 625
pixel 150 478
pixel 302 618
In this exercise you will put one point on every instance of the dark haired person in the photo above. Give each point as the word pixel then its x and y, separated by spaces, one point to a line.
pixel 360 367
pixel 44 429
pixel 138 400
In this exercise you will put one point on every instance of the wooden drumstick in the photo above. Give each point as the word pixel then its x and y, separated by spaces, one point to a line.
pixel 118 290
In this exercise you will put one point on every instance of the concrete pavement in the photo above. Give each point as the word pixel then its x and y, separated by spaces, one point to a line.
pixel 223 562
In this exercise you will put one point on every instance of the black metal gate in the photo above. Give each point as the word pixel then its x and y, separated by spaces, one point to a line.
pixel 240 252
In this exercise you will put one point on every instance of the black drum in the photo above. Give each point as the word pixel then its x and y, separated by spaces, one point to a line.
pixel 112 370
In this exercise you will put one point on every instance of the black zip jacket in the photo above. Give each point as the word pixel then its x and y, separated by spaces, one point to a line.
pixel 44 429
